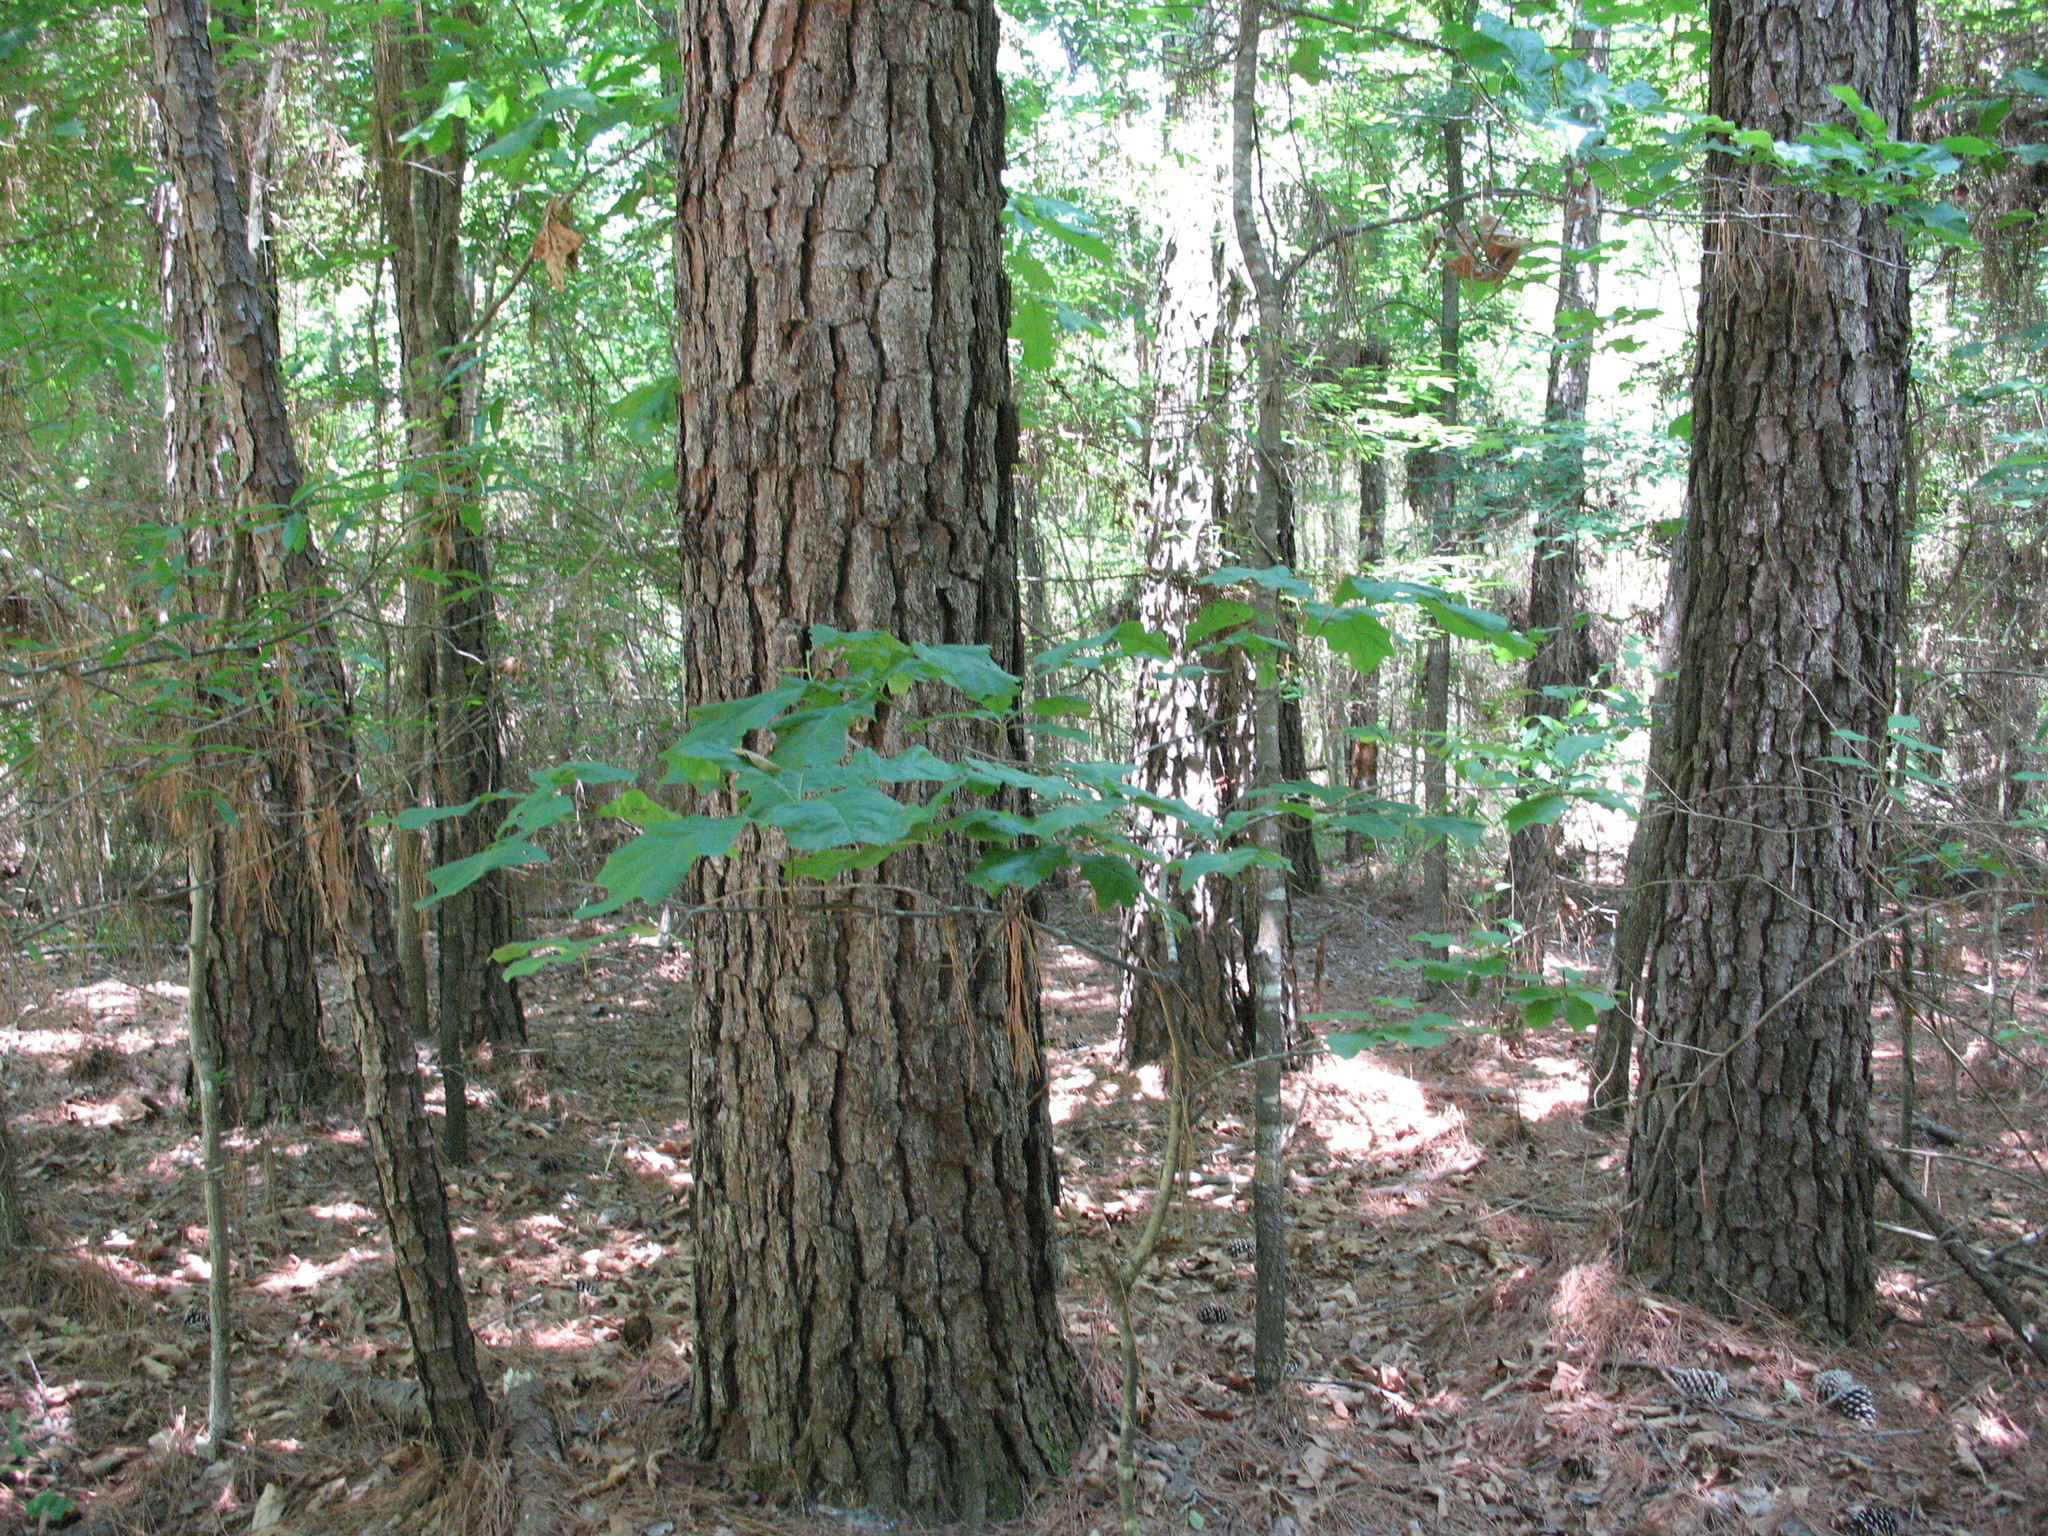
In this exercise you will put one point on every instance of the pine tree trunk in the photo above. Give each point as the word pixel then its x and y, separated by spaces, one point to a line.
pixel 876 1318
pixel 1270 938
pixel 315 711
pixel 1188 736
pixel 264 993
pixel 1747 1175
pixel 1433 491
pixel 456 693
pixel 14 1225
pixel 1564 657
pixel 1642 899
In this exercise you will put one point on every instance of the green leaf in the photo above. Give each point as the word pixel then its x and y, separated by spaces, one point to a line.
pixel 1359 637
pixel 517 141
pixel 969 668
pixel 633 805
pixel 418 816
pixel 1276 578
pixel 1234 861
pixel 1031 323
pixel 655 862
pixel 814 738
pixel 574 97
pixel 1221 614
pixel 1463 829
pixel 861 814
pixel 1113 880
pixel 1537 810
pixel 708 751
pixel 1569 749
pixel 1024 867
pixel 1478 624
pixel 509 853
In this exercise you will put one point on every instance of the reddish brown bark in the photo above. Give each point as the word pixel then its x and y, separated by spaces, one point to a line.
pixel 875 1292
pixel 1747 1176
pixel 315 714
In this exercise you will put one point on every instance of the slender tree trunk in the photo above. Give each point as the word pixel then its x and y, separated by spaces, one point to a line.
pixel 14 1223
pixel 1188 735
pixel 1564 657
pixel 460 715
pixel 1432 480
pixel 1362 714
pixel 265 995
pixel 208 1071
pixel 1270 938
pixel 1642 890
pixel 875 1286
pixel 316 712
pixel 1748 1180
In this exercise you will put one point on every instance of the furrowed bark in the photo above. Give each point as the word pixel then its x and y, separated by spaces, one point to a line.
pixel 1748 1179
pixel 315 709
pixel 875 1283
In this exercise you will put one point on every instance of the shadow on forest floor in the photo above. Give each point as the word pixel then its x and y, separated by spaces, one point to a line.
pixel 1464 1357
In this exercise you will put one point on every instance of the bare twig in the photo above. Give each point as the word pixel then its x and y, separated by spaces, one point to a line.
pixel 1967 1259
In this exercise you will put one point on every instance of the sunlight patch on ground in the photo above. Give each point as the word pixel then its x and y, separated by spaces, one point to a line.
pixel 298 1274
pixel 1362 1106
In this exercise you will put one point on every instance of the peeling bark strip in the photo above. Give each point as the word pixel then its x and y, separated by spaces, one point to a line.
pixel 875 1283
pixel 315 712
pixel 1747 1177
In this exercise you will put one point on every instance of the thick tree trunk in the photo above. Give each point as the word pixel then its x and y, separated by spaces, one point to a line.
pixel 264 994
pixel 875 1283
pixel 456 687
pixel 1748 1180
pixel 1188 736
pixel 1564 657
pixel 316 714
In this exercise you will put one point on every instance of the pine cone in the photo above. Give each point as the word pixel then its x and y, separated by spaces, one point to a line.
pixel 1213 1313
pixel 1829 1385
pixel 1702 1385
pixel 1240 1247
pixel 1871 1520
pixel 1856 1403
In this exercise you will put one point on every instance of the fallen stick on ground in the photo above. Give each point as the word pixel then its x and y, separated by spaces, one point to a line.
pixel 1966 1258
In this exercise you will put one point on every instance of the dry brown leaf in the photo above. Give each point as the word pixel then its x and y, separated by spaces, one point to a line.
pixel 1487 252
pixel 556 245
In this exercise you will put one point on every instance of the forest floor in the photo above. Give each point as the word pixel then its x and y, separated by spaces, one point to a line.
pixel 1465 1357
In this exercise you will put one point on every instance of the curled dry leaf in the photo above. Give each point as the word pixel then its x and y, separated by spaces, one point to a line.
pixel 1487 252
pixel 556 245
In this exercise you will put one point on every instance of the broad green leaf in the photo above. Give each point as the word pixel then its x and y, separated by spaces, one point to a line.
pixel 707 751
pixel 418 816
pixel 654 863
pixel 1114 881
pixel 862 814
pixel 1221 614
pixel 1359 637
pixel 463 873
pixel 1276 578
pixel 969 668
pixel 1024 867
pixel 1537 810
pixel 634 805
